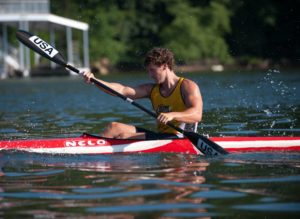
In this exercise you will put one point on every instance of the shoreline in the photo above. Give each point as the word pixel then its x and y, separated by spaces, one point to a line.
pixel 197 67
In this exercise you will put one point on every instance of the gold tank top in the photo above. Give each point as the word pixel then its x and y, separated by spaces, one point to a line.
pixel 172 103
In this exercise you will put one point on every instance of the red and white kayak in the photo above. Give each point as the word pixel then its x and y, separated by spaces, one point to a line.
pixel 89 144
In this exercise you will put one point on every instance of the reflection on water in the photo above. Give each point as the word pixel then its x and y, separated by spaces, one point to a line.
pixel 252 185
pixel 152 186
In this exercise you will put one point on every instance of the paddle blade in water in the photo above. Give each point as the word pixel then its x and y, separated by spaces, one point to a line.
pixel 40 46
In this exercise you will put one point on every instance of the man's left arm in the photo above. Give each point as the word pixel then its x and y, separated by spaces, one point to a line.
pixel 193 102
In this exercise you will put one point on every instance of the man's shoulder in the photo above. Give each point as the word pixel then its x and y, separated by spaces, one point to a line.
pixel 189 84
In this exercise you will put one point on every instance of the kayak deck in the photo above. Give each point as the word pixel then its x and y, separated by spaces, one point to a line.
pixel 247 144
pixel 90 144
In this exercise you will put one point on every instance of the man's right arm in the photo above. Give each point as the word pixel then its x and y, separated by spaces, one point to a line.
pixel 141 91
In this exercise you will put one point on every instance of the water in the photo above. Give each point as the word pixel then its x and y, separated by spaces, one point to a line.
pixel 251 185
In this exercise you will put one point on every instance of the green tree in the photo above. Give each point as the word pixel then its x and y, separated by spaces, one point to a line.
pixel 270 29
pixel 145 21
pixel 106 22
pixel 105 40
pixel 198 32
pixel 124 31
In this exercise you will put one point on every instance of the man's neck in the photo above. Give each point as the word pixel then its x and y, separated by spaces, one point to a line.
pixel 170 82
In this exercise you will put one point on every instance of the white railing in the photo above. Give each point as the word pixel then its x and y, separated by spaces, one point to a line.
pixel 9 62
pixel 24 6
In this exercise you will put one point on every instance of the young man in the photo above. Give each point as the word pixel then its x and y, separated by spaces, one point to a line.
pixel 176 100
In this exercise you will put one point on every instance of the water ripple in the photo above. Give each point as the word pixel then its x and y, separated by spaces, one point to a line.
pixel 218 194
pixel 63 196
pixel 160 182
pixel 148 207
pixel 285 179
pixel 271 207
pixel 43 173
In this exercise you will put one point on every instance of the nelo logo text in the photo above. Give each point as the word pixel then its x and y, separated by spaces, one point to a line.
pixel 83 143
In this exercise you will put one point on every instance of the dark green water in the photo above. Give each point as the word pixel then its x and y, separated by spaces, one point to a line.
pixel 252 185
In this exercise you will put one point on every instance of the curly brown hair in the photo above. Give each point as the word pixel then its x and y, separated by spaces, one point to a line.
pixel 160 56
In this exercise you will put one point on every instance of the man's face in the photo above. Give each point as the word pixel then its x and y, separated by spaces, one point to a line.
pixel 157 73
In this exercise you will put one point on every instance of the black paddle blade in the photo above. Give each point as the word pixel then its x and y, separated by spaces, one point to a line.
pixel 40 46
pixel 206 146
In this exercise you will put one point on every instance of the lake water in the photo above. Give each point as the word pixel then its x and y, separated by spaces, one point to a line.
pixel 250 185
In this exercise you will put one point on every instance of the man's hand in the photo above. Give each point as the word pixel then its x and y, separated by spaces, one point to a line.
pixel 88 76
pixel 165 117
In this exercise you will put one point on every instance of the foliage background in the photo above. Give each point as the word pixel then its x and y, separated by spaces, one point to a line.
pixel 225 31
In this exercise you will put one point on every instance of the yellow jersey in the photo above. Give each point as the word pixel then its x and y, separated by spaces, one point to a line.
pixel 172 103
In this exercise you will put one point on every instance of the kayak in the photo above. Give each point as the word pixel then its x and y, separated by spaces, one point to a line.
pixel 91 144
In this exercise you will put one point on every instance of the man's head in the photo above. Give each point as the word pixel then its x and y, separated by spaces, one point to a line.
pixel 159 57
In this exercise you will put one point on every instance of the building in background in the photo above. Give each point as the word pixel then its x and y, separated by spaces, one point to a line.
pixel 34 16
